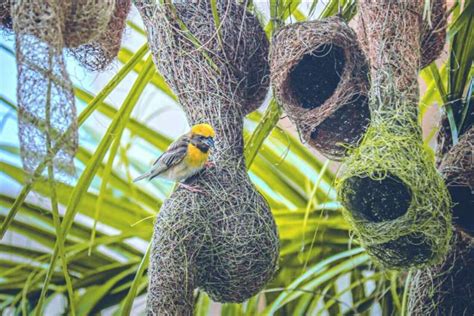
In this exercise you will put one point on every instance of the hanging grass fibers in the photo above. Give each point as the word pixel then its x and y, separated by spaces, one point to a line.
pixel 320 76
pixel 224 240
pixel 395 198
pixel 447 288
pixel 98 54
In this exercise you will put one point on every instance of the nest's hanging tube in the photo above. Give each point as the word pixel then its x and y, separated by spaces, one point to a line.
pixel 395 199
pixel 320 76
pixel 223 241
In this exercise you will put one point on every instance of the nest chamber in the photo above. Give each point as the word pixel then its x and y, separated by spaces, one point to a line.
pixel 320 76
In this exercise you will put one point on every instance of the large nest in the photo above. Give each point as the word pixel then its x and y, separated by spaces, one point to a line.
pixel 447 288
pixel 395 198
pixel 457 168
pixel 223 240
pixel 98 54
pixel 320 76
pixel 433 34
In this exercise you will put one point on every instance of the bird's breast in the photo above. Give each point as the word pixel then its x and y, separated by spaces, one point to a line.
pixel 195 157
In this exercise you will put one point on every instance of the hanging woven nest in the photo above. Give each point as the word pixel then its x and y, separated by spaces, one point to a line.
pixel 433 34
pixel 223 241
pixel 395 199
pixel 98 54
pixel 320 76
pixel 457 168
pixel 447 288
pixel 47 114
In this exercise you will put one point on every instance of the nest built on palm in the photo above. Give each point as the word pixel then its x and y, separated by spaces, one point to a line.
pixel 395 199
pixel 223 241
pixel 320 76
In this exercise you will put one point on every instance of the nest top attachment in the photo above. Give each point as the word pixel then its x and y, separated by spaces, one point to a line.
pixel 319 74
pixel 209 54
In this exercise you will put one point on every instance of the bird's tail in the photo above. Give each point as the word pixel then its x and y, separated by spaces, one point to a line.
pixel 143 176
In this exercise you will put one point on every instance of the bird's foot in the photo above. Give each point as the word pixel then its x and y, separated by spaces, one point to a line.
pixel 209 164
pixel 191 188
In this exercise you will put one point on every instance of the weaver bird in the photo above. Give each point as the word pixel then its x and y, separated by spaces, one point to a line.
pixel 184 157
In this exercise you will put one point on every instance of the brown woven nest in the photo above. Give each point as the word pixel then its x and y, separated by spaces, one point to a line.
pixel 447 288
pixel 98 54
pixel 395 199
pixel 457 168
pixel 320 76
pixel 433 34
pixel 223 241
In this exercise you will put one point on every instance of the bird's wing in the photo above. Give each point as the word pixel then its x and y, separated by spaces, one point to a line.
pixel 173 155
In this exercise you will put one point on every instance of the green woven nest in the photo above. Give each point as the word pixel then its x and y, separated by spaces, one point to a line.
pixel 394 197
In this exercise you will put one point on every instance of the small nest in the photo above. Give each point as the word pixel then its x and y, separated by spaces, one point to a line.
pixel 395 199
pixel 320 76
pixel 6 23
pixel 447 288
pixel 457 168
pixel 433 34
pixel 224 240
pixel 98 54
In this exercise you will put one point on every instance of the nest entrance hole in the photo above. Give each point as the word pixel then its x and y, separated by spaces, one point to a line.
pixel 315 78
pixel 377 200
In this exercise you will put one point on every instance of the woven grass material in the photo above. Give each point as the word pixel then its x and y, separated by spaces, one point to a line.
pixel 433 34
pixel 447 288
pixel 224 240
pixel 457 168
pixel 320 76
pixel 395 199
pixel 98 54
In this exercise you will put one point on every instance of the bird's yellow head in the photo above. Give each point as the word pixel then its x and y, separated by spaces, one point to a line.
pixel 204 130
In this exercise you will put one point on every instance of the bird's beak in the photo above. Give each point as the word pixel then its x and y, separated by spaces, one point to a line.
pixel 210 142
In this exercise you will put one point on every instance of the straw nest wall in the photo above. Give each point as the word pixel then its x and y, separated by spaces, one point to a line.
pixel 457 168
pixel 447 288
pixel 224 240
pixel 433 33
pixel 320 76
pixel 45 95
pixel 394 197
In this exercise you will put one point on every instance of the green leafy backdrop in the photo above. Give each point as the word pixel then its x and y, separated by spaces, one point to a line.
pixel 103 222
